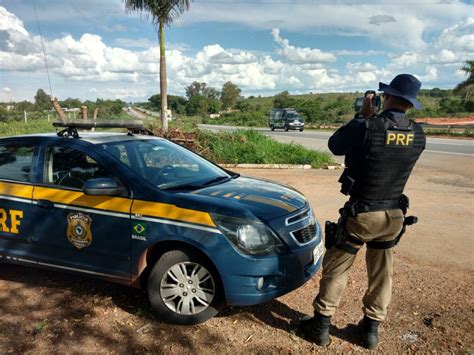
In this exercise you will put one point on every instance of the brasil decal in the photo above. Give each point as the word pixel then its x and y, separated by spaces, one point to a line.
pixel 79 229
pixel 139 231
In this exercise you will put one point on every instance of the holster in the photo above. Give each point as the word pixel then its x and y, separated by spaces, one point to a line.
pixel 336 233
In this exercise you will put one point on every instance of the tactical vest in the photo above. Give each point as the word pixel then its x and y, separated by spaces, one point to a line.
pixel 393 144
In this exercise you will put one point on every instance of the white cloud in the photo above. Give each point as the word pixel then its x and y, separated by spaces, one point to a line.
pixel 11 23
pixel 6 95
pixel 298 55
pixel 440 61
pixel 130 68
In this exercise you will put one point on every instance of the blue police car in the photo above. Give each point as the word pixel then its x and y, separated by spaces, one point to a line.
pixel 140 210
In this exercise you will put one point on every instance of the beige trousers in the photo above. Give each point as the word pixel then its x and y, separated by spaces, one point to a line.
pixel 368 226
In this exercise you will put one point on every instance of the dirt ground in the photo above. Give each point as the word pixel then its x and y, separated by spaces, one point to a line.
pixel 432 307
pixel 447 120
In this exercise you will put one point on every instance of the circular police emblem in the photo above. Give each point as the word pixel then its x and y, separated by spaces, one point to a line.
pixel 79 229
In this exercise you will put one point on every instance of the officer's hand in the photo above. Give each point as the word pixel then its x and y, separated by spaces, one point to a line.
pixel 368 110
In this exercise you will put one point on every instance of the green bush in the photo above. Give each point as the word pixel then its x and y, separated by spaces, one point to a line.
pixel 245 119
pixel 253 147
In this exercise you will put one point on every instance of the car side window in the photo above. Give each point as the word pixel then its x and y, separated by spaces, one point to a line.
pixel 119 152
pixel 70 167
pixel 16 162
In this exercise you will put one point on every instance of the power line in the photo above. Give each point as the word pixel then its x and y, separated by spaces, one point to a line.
pixel 44 51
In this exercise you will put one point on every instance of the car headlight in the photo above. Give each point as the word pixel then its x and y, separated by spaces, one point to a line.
pixel 248 235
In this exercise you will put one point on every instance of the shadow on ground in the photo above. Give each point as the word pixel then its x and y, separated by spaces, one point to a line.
pixel 43 310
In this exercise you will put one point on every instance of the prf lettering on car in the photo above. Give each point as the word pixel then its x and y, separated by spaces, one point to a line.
pixel 15 217
pixel 399 139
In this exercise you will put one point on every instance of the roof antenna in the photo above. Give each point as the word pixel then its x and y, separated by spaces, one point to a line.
pixel 44 52
pixel 54 101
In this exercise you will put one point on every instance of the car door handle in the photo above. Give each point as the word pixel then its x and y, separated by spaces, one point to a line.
pixel 45 204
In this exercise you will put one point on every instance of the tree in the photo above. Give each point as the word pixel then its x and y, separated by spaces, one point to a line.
pixel 3 114
pixel 230 94
pixel 467 85
pixel 202 99
pixel 162 13
pixel 283 100
pixel 175 103
pixel 24 106
pixel 197 105
pixel 42 101
pixel 71 103
pixel 243 106
pixel 196 89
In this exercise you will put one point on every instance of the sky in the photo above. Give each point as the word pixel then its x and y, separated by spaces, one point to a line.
pixel 95 49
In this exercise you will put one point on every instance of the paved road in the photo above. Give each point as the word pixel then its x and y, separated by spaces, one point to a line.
pixel 451 155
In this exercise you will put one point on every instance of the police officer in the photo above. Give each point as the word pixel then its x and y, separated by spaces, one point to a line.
pixel 380 152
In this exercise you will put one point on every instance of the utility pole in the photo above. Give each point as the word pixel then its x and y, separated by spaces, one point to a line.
pixel 25 115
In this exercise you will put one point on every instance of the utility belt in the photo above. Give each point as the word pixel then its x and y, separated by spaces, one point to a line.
pixel 336 233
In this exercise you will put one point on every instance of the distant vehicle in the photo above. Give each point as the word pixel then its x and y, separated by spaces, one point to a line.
pixel 286 118
pixel 142 211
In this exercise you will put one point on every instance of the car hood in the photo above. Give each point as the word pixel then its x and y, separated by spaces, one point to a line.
pixel 265 199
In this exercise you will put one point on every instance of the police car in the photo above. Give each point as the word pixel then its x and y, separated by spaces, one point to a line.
pixel 140 210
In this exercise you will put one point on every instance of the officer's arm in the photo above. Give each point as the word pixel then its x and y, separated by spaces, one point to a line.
pixel 347 137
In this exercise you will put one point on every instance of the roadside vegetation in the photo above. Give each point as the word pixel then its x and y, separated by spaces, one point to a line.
pixel 240 147
pixel 253 147
pixel 318 110
pixel 13 127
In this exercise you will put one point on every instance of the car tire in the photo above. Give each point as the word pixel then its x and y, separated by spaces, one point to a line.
pixel 301 129
pixel 184 288
pixel 287 128
pixel 272 127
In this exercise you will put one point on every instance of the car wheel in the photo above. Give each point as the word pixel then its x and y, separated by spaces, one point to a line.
pixel 183 288
pixel 301 129
pixel 272 127
pixel 286 128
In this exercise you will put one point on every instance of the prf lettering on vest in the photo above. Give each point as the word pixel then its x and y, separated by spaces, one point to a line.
pixel 14 220
pixel 399 139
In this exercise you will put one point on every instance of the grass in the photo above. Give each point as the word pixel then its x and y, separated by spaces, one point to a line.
pixel 253 147
pixel 13 128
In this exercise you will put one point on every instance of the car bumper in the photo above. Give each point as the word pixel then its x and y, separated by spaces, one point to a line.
pixel 279 275
pixel 295 127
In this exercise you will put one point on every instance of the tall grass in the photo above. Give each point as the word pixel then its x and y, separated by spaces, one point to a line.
pixel 250 146
pixel 13 128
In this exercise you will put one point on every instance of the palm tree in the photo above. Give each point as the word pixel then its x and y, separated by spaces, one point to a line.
pixel 162 13
pixel 467 85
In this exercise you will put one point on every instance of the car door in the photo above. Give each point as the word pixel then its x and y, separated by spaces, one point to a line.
pixel 17 171
pixel 281 119
pixel 89 234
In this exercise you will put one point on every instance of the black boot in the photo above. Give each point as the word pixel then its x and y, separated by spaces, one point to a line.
pixel 315 329
pixel 370 332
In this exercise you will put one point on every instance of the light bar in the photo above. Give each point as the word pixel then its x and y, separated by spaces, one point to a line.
pixel 88 124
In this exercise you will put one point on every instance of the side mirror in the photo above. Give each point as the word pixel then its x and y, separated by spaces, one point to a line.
pixel 103 187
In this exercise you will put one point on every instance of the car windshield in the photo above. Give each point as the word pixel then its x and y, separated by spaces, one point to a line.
pixel 293 116
pixel 165 164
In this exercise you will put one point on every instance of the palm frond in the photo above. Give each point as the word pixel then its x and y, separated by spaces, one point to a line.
pixel 159 11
